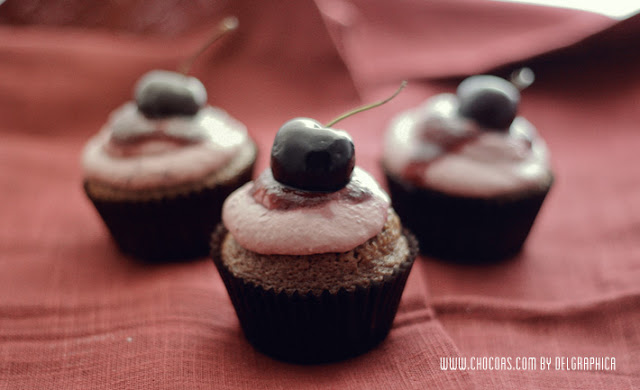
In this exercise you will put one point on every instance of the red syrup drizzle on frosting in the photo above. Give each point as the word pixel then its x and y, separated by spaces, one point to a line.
pixel 129 146
pixel 415 169
pixel 276 196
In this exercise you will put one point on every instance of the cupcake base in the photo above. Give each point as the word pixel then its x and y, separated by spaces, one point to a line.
pixel 314 328
pixel 464 229
pixel 170 228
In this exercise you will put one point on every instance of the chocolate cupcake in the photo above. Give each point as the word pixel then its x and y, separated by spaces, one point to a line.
pixel 312 254
pixel 160 169
pixel 466 174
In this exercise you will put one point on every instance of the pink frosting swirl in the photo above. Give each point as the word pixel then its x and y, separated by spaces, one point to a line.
pixel 267 217
pixel 135 152
pixel 432 146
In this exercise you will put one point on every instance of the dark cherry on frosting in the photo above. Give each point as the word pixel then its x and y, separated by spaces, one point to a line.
pixel 308 156
pixel 489 100
pixel 161 94
pixel 311 157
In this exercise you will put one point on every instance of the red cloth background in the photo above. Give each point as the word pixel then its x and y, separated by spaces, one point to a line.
pixel 76 314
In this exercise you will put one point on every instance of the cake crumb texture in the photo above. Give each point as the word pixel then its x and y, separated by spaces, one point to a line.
pixel 368 262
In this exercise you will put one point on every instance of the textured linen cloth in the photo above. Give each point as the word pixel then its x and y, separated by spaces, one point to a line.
pixel 77 314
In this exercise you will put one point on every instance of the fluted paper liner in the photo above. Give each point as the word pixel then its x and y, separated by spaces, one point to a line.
pixel 169 228
pixel 464 229
pixel 310 328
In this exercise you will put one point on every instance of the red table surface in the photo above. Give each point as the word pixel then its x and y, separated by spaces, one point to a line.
pixel 77 314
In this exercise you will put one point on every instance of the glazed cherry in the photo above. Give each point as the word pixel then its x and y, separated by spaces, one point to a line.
pixel 161 94
pixel 307 156
pixel 491 101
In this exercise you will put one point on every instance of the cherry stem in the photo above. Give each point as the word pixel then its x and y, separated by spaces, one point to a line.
pixel 227 24
pixel 522 78
pixel 367 107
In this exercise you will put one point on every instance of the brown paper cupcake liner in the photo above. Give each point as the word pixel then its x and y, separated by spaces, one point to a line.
pixel 170 228
pixel 463 229
pixel 310 328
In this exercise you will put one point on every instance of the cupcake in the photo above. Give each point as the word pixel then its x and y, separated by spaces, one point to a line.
pixel 312 254
pixel 466 174
pixel 161 167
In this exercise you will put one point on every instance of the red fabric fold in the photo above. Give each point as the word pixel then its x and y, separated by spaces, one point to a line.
pixel 381 40
pixel 76 314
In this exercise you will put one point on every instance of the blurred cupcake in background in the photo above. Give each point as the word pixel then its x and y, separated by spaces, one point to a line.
pixel 161 167
pixel 465 173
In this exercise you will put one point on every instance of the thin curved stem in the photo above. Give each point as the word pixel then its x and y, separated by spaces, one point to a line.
pixel 522 78
pixel 228 24
pixel 367 107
